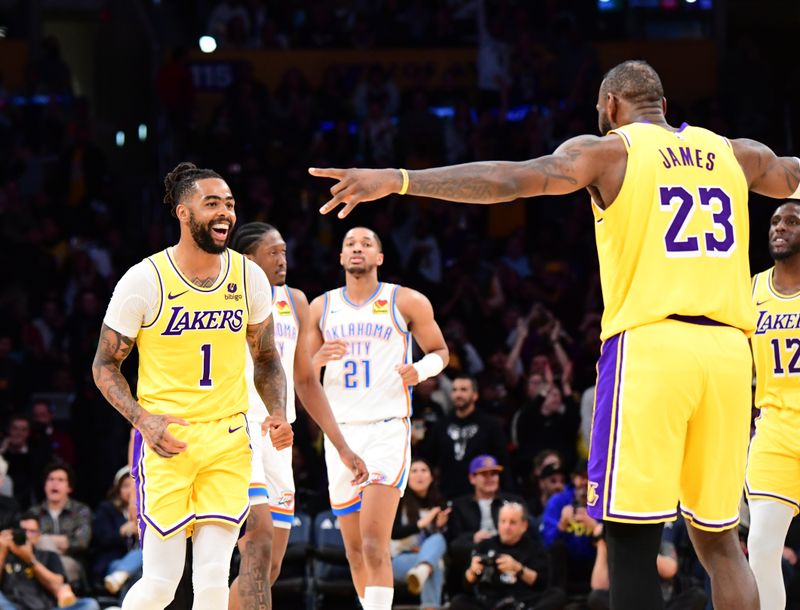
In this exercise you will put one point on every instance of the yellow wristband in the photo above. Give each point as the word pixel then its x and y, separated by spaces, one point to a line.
pixel 404 188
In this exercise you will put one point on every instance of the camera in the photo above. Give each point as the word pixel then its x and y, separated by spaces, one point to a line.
pixel 18 536
pixel 489 562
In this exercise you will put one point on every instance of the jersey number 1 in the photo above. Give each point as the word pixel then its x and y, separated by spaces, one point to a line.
pixel 205 380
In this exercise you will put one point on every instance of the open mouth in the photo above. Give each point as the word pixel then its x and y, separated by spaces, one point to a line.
pixel 220 229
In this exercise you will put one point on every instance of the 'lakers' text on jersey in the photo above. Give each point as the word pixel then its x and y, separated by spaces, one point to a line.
pixel 286 329
pixel 191 354
pixel 364 386
pixel 677 230
pixel 776 345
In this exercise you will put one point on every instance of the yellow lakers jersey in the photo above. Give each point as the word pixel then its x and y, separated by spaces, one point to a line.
pixel 776 344
pixel 675 240
pixel 192 354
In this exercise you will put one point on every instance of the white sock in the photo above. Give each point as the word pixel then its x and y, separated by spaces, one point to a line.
pixel 212 547
pixel 378 598
pixel 161 572
pixel 769 522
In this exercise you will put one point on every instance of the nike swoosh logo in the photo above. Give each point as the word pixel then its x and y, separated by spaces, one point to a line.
pixel 171 296
pixel 759 303
pixel 335 310
pixel 232 430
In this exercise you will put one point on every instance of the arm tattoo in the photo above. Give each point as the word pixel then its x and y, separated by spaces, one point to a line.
pixel 269 378
pixel 112 349
pixel 475 183
pixel 791 172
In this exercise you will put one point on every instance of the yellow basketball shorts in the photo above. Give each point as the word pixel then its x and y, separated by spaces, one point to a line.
pixel 208 482
pixel 773 464
pixel 671 425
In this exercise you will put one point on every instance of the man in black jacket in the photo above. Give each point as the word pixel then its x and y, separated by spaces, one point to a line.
pixel 474 516
pixel 463 435
pixel 509 571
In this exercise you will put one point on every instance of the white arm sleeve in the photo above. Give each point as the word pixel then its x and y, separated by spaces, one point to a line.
pixel 135 300
pixel 259 292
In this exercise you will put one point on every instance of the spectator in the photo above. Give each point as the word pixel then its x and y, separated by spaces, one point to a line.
pixel 33 578
pixel 549 419
pixel 66 524
pixel 418 546
pixel 550 479
pixel 474 516
pixel 55 442
pixel 9 509
pixel 25 461
pixel 510 570
pixel 463 435
pixel 570 534
pixel 117 555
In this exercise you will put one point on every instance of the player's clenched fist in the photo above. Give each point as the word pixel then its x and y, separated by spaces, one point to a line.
pixel 280 432
pixel 409 374
pixel 330 350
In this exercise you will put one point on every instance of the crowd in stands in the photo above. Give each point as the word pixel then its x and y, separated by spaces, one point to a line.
pixel 499 440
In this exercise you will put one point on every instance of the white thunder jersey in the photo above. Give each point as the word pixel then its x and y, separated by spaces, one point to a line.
pixel 284 322
pixel 364 386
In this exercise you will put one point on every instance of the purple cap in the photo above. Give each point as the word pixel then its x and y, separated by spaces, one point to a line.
pixel 484 463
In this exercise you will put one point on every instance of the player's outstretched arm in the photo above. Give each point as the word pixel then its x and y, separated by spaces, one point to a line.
pixel 418 311
pixel 767 173
pixel 309 390
pixel 576 164
pixel 112 349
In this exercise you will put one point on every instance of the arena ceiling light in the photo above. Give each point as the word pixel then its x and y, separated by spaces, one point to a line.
pixel 207 44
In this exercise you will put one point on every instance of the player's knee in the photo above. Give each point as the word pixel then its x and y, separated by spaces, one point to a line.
pixel 764 549
pixel 210 575
pixel 158 591
pixel 355 555
pixel 375 550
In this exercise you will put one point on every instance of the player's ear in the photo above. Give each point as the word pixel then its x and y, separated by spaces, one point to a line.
pixel 380 259
pixel 182 212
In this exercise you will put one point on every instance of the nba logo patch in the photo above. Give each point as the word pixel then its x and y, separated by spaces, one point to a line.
pixel 286 500
pixel 377 477
pixel 232 287
pixel 283 308
pixel 380 306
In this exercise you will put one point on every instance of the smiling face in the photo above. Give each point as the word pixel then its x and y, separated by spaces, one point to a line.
pixel 208 212
pixel 784 232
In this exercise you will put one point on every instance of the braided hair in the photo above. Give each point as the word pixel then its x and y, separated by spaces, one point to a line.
pixel 181 181
pixel 248 235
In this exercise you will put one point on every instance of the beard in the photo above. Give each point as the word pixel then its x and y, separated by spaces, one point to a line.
pixel 361 269
pixel 605 126
pixel 203 237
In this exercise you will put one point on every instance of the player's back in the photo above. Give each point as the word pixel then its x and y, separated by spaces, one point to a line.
pixel 364 386
pixel 776 344
pixel 191 355
pixel 675 240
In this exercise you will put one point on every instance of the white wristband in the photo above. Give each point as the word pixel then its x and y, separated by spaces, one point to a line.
pixel 429 366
